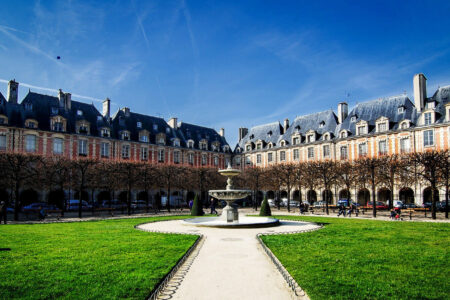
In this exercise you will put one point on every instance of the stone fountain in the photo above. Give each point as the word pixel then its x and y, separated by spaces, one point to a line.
pixel 230 214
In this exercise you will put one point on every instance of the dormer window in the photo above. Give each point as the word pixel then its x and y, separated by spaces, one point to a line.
pixel 269 134
pixel 361 130
pixel 248 148
pixel 258 146
pixel 296 140
pixel 99 118
pixel 269 146
pixel 427 118
pixel 431 105
pixel 310 138
pixel 139 124
pixel 58 126
pixel 79 113
pixel 144 138
pixel 125 135
pixel 401 109
pixel 353 119
pixel 83 129
pixel 204 146
pixel 297 128
pixel 31 124
pixel 167 130
pixel 404 125
pixel 176 143
pixel 252 136
pixel 155 127
pixel 226 148
pixel 2 120
pixel 326 136
pixel 321 124
pixel 190 144
pixel 54 110
pixel 105 132
pixel 161 139
pixel 343 134
pixel 282 143
pixel 29 106
pixel 382 127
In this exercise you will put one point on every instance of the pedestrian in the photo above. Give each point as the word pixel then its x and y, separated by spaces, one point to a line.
pixel 302 208
pixel 393 214
pixel 213 206
pixel 191 203
pixel 349 211
pixel 341 210
pixel 42 213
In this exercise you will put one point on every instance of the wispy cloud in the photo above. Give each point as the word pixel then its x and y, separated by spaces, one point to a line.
pixel 123 74
pixel 187 17
pixel 141 26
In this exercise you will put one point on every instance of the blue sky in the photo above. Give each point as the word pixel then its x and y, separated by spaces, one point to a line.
pixel 223 63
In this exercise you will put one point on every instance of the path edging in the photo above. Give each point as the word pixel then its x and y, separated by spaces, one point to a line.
pixel 293 284
pixel 162 284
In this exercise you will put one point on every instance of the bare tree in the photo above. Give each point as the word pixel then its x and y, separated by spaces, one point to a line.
pixel 299 174
pixel 346 176
pixel 444 175
pixel 310 178
pixel 388 173
pixel 429 165
pixel 168 175
pixel 369 168
pixel 287 177
pixel 326 174
pixel 82 168
pixel 252 178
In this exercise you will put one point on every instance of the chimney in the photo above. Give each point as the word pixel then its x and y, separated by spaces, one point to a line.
pixel 61 98
pixel 420 91
pixel 13 90
pixel 126 110
pixel 68 101
pixel 342 112
pixel 107 109
pixel 286 124
pixel 222 132
pixel 173 122
pixel 242 132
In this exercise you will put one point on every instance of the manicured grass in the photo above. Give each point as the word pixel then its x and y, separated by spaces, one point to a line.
pixel 365 259
pixel 86 260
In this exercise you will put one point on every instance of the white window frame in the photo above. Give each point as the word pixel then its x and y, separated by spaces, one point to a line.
pixel 382 147
pixel 405 145
pixel 104 149
pixel 144 153
pixel 3 142
pixel 326 150
pixel 310 152
pixel 296 154
pixel 30 143
pixel 258 158
pixel 282 155
pixel 362 149
pixel 176 157
pixel 216 161
pixel 428 138
pixel 125 151
pixel 191 158
pixel 82 147
pixel 58 146
pixel 161 155
pixel 427 118
pixel 343 152
pixel 270 157
pixel 204 160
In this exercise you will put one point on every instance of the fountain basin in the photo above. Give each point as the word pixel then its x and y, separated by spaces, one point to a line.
pixel 229 195
pixel 244 222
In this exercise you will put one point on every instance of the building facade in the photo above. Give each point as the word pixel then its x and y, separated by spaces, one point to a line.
pixel 49 125
pixel 386 126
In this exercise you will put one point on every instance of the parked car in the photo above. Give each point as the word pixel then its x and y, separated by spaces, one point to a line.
pixel 343 202
pixel 73 205
pixel 409 205
pixel 292 203
pixel 271 202
pixel 174 201
pixel 379 205
pixel 35 207
pixel 441 206
pixel 319 204
pixel 139 204
pixel 398 204
pixel 116 204
pixel 426 205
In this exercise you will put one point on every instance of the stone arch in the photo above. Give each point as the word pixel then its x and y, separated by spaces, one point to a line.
pixel 122 197
pixel 406 195
pixel 283 194
pixel 142 195
pixel 384 195
pixel 311 196
pixel 327 195
pixel 28 196
pixel 427 195
pixel 103 196
pixel 297 196
pixel 344 194
pixel 84 196
pixel 270 195
pixel 363 196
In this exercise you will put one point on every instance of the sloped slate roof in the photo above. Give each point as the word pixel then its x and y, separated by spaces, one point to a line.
pixel 303 124
pixel 371 111
pixel 270 133
pixel 442 97
pixel 197 133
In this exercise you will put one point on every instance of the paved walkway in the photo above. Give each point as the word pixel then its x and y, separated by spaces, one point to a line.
pixel 231 263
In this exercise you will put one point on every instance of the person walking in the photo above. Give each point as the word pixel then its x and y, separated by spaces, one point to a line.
pixel 213 206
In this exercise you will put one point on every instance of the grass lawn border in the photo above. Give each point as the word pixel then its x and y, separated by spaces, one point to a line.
pixel 293 284
pixel 165 280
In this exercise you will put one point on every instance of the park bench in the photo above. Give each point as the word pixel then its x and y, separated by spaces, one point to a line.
pixel 408 212
pixel 98 211
pixel 423 209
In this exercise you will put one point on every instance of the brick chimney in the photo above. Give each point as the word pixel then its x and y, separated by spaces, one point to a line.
pixel 68 101
pixel 286 124
pixel 173 123
pixel 420 91
pixel 342 112
pixel 107 109
pixel 222 132
pixel 242 132
pixel 13 91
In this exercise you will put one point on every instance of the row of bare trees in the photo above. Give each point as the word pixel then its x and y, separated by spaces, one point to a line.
pixel 429 168
pixel 20 171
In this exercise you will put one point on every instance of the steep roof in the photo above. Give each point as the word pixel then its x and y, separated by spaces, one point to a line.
pixel 321 122
pixel 270 133
pixel 197 133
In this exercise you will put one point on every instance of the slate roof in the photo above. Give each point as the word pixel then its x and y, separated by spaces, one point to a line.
pixel 442 97
pixel 371 111
pixel 197 133
pixel 321 122
pixel 269 133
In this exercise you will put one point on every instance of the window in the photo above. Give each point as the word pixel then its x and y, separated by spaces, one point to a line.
pixel 353 119
pixel 54 110
pixel 99 118
pixel 161 140
pixel 427 118
pixel 296 141
pixel 326 150
pixel 2 121
pixel 125 136
pixel 167 130
pixel 204 146
pixel 311 152
pixel 343 134
pixel 382 127
pixel 57 146
pixel 139 124
pixel 270 157
pixel 216 160
pixel 382 148
pixel 125 151
pixel 282 156
pixel 326 136
pixel 144 138
pixel 401 110
pixel 344 152
pixel 270 145
pixel 204 159
pixel 362 130
pixel 238 161
pixel 258 158
pixel 258 146
pixel 155 127
pixel 282 143
pixel 248 148
pixel 31 124
pixel 247 160
pixel 191 144
pixel 29 106
pixel 30 143
pixel 191 158
pixel 58 126
pixel 79 113
pixel 144 153
pixel 82 147
pixel 83 129
pixel 404 145
pixel 296 154
pixel 362 148
pixel 176 143
pixel 310 138
pixel 104 149
pixel 404 125
pixel 321 124
pixel 428 138
pixel 2 142
pixel 105 132
pixel 430 105
pixel 176 157
pixel 161 155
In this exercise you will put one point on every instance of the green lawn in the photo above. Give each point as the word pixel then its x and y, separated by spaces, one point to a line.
pixel 101 259
pixel 364 259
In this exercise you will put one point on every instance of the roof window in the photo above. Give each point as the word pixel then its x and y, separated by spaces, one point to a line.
pixel 79 113
pixel 139 124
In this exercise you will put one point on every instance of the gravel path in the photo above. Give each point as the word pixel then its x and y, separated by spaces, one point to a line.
pixel 231 263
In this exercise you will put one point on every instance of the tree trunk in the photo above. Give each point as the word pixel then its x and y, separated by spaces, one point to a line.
pixel 168 198
pixel 16 203
pixel 129 200
pixel 374 202
pixel 446 200
pixel 433 201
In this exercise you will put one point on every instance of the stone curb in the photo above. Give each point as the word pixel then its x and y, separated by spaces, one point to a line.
pixel 293 284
